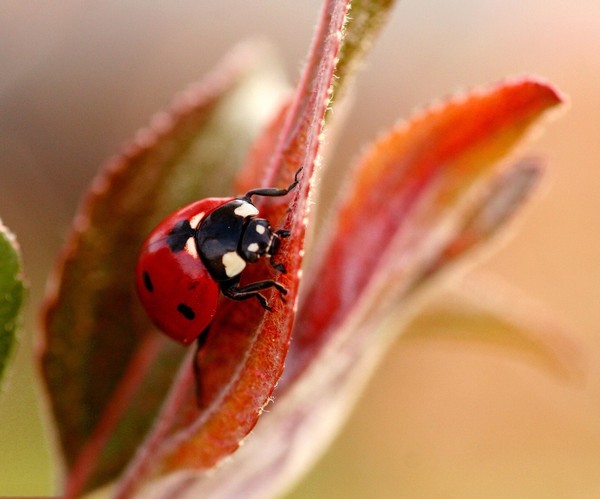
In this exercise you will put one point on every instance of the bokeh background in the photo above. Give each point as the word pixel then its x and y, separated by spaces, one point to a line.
pixel 440 418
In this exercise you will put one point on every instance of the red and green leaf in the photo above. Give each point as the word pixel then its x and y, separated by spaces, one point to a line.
pixel 106 370
pixel 93 322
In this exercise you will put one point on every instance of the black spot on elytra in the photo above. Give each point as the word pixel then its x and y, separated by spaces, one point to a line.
pixel 148 282
pixel 179 235
pixel 186 311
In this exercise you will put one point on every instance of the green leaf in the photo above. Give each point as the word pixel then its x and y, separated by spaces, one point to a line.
pixel 365 20
pixel 12 290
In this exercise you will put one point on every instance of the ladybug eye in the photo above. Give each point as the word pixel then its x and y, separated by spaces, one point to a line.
pixel 186 311
pixel 148 282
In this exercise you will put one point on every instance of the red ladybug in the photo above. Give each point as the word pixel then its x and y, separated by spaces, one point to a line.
pixel 199 250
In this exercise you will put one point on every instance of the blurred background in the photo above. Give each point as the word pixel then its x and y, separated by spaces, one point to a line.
pixel 440 419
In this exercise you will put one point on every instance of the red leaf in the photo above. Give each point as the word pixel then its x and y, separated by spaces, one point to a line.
pixel 98 346
pixel 403 185
pixel 244 354
pixel 481 218
pixel 328 371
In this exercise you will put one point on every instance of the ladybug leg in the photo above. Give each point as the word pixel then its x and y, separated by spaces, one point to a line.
pixel 253 291
pixel 274 192
pixel 201 340
pixel 198 377
pixel 281 234
pixel 279 267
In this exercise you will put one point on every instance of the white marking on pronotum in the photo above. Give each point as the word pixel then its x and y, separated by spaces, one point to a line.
pixel 253 247
pixel 190 247
pixel 260 229
pixel 246 210
pixel 195 220
pixel 233 263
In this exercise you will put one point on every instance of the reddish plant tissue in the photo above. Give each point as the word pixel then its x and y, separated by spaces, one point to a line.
pixel 402 218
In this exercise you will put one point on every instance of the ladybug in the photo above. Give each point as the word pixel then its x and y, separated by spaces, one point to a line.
pixel 202 249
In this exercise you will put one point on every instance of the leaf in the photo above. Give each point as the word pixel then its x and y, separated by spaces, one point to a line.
pixel 105 369
pixel 365 20
pixel 407 184
pixel 486 312
pixel 243 357
pixel 402 207
pixel 257 165
pixel 496 202
pixel 12 291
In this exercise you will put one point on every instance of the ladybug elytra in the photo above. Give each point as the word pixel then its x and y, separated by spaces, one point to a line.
pixel 202 249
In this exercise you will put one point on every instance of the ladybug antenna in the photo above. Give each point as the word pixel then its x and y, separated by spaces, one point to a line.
pixel 272 191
